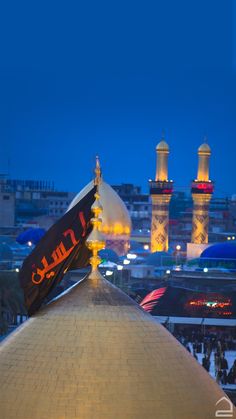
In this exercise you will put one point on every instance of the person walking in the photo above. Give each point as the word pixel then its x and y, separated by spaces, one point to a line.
pixel 195 355
pixel 206 363
pixel 217 363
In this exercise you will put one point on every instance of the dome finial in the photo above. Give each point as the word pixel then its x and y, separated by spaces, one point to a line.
pixel 95 240
pixel 97 171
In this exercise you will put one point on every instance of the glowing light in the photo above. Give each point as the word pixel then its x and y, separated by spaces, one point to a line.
pixel 126 262
pixel 131 256
pixel 17 270
pixel 167 191
pixel 228 238
pixel 233 238
pixel 119 267
pixel 30 243
pixel 178 247
pixel 210 304
pixel 205 270
pixel 149 302
pixel 109 273
pixel 202 187
pixel 116 229
pixel 146 247
pixel 168 272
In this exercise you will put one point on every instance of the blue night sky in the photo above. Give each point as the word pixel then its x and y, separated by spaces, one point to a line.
pixel 81 78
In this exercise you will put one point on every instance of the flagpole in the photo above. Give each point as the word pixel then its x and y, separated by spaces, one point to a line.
pixel 95 241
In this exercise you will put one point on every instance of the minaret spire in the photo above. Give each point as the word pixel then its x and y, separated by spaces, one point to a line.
pixel 95 241
pixel 202 189
pixel 160 190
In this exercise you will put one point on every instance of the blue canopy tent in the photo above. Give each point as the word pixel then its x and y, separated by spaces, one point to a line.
pixel 32 235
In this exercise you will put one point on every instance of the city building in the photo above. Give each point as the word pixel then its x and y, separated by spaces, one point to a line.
pixel 138 204
pixel 30 203
pixel 7 204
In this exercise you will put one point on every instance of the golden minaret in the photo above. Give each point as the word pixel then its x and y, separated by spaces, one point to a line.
pixel 202 189
pixel 95 240
pixel 160 190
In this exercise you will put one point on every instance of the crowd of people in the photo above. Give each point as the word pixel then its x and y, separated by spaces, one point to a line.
pixel 207 343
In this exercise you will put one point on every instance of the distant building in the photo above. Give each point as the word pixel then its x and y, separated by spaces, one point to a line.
pixel 138 205
pixel 30 202
pixel 7 204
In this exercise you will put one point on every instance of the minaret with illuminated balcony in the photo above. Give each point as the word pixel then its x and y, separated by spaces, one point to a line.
pixel 160 190
pixel 202 190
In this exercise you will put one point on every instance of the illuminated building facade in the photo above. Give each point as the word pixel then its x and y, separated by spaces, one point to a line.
pixel 202 190
pixel 188 297
pixel 160 190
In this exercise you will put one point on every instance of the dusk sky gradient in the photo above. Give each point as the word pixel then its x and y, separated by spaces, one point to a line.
pixel 81 78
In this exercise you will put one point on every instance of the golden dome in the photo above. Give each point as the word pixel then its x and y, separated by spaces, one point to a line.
pixel 204 149
pixel 94 353
pixel 115 217
pixel 162 146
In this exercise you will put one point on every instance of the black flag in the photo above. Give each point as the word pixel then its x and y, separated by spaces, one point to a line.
pixel 62 248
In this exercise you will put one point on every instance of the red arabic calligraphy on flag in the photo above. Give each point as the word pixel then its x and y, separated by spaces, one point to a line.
pixel 59 254
pixel 62 248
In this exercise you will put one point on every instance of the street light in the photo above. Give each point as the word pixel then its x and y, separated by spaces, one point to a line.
pixel 178 248
pixel 131 256
pixel 109 273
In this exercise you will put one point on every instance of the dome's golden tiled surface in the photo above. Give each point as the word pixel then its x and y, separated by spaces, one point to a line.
pixel 95 354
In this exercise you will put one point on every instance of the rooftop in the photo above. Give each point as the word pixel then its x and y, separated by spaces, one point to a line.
pixel 94 353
